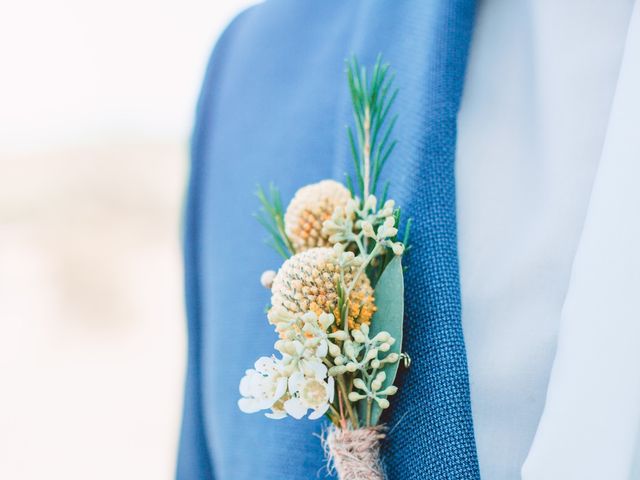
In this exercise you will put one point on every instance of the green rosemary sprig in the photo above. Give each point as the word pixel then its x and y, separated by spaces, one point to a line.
pixel 372 98
pixel 271 216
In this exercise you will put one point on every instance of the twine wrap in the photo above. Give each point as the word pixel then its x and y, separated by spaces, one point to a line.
pixel 354 454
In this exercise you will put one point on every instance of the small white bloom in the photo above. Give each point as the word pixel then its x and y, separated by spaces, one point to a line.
pixel 314 331
pixel 387 209
pixel 352 367
pixel 290 348
pixel 390 390
pixel 389 222
pixel 355 396
pixel 393 357
pixel 358 336
pixel 263 386
pixel 293 351
pixel 367 229
pixel 349 349
pixel 377 382
pixel 339 228
pixel 382 337
pixel 283 320
pixel 359 383
pixel 325 320
pixel 313 368
pixel 371 354
pixel 310 391
pixel 337 370
pixel 352 207
pixel 334 350
pixel 342 335
pixel 398 248
pixel 370 203
pixel 387 229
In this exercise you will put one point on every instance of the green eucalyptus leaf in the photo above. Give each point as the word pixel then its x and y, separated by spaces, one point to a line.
pixel 389 317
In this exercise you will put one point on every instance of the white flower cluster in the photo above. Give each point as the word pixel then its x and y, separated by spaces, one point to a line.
pixel 353 224
pixel 298 381
pixel 306 333
pixel 263 387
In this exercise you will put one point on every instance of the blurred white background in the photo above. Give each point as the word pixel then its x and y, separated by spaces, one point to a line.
pixel 96 106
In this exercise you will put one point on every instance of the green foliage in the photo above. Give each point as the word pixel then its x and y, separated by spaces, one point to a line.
pixel 405 236
pixel 372 98
pixel 389 317
pixel 271 216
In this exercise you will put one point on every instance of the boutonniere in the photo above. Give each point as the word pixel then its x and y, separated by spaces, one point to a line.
pixel 337 301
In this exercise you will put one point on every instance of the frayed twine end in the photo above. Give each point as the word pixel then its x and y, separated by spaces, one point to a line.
pixel 354 454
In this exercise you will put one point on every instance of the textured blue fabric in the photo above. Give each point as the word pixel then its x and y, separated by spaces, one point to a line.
pixel 273 107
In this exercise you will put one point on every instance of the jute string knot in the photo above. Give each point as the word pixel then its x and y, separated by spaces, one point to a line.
pixel 354 454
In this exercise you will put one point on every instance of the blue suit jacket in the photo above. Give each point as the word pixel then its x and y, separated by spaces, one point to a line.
pixel 273 107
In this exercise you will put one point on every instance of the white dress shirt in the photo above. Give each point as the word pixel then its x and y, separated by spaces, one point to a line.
pixel 537 112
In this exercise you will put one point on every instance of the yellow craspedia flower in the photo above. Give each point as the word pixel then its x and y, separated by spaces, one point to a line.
pixel 308 210
pixel 309 280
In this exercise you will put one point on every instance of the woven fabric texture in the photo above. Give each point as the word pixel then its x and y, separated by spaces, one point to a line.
pixel 273 107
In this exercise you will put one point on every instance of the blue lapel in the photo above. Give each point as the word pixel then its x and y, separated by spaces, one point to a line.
pixel 273 107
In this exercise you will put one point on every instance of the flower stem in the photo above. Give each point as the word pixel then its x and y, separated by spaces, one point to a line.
pixel 343 422
pixel 352 414
pixel 333 415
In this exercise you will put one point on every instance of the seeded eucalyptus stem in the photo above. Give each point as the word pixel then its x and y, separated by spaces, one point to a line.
pixel 350 288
